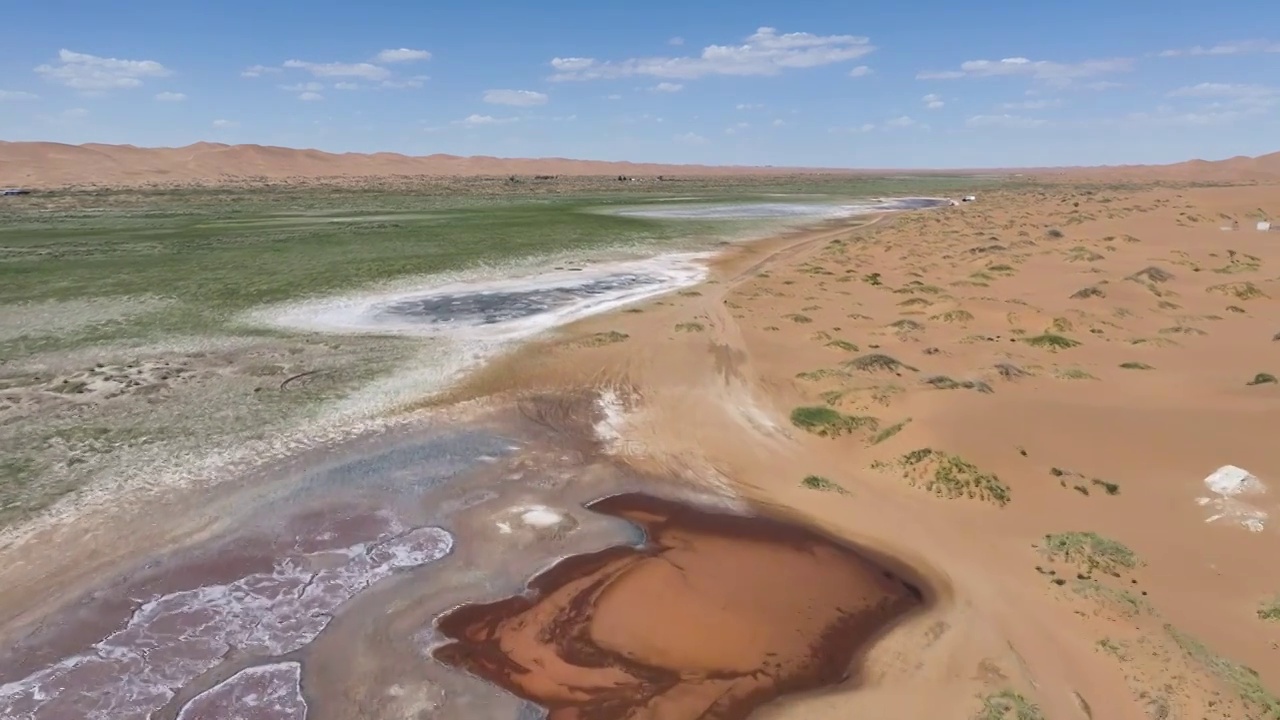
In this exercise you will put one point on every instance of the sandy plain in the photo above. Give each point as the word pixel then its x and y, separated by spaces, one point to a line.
pixel 1017 399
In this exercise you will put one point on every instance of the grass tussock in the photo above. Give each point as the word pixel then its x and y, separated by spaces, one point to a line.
pixel 954 316
pixel 952 477
pixel 1090 552
pixel 1051 341
pixel 890 431
pixel 818 482
pixel 878 362
pixel 828 422
pixel 600 339
pixel 1007 705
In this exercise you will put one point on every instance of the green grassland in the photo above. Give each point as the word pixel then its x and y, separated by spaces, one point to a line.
pixel 122 331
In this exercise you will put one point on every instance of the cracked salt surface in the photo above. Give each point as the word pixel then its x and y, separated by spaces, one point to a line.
pixel 265 692
pixel 172 639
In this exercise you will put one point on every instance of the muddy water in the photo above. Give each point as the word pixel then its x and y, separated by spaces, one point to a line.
pixel 319 596
pixel 713 616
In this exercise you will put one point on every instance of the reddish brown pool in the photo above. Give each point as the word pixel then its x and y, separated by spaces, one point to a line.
pixel 714 616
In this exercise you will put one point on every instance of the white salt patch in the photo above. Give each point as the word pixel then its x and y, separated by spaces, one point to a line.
pixel 779 210
pixel 264 692
pixel 1234 488
pixel 541 517
pixel 360 313
pixel 613 417
pixel 172 639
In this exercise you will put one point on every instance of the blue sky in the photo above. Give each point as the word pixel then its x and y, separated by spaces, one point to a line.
pixel 841 84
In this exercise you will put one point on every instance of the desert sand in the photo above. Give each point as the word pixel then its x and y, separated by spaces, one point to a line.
pixel 999 378
pixel 46 165
pixel 1016 399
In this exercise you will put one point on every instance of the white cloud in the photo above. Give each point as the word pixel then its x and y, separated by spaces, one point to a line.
pixel 903 121
pixel 312 86
pixel 1030 104
pixel 258 71
pixel 1238 47
pixel 517 98
pixel 863 128
pixel 368 71
pixel 860 71
pixel 478 120
pixel 677 41
pixel 1220 99
pixel 16 95
pixel 933 101
pixel 765 52
pixel 225 124
pixel 98 74
pixel 346 86
pixel 1225 90
pixel 171 97
pixel 690 138
pixel 310 96
pixel 1004 121
pixel 414 82
pixel 667 87
pixel 749 106
pixel 614 96
pixel 403 55
pixel 1165 116
pixel 1041 70
pixel 779 122
pixel 736 128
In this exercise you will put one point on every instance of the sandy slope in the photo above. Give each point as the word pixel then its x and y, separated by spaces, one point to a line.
pixel 713 374
pixel 44 164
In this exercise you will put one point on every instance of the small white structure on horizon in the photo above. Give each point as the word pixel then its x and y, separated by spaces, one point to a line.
pixel 968 198
pixel 1264 226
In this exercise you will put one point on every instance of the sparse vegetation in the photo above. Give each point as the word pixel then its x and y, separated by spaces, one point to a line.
pixel 950 476
pixel 1240 290
pixel 953 316
pixel 1262 379
pixel 817 482
pixel 690 327
pixel 1243 680
pixel 943 382
pixel 827 422
pixel 843 345
pixel 605 338
pixel 1270 610
pixel 878 362
pixel 890 431
pixel 1051 341
pixel 1074 374
pixel 1008 705
pixel 1090 552
pixel 1136 366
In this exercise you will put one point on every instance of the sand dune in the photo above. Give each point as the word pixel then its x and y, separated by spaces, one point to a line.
pixel 45 164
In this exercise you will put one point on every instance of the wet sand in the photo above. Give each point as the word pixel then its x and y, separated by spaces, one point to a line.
pixel 713 616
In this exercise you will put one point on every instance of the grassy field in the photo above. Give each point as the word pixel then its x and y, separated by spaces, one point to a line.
pixel 120 329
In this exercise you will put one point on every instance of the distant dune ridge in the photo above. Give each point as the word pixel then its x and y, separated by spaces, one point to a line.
pixel 45 164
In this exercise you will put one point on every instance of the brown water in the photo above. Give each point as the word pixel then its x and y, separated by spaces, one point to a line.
pixel 714 616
